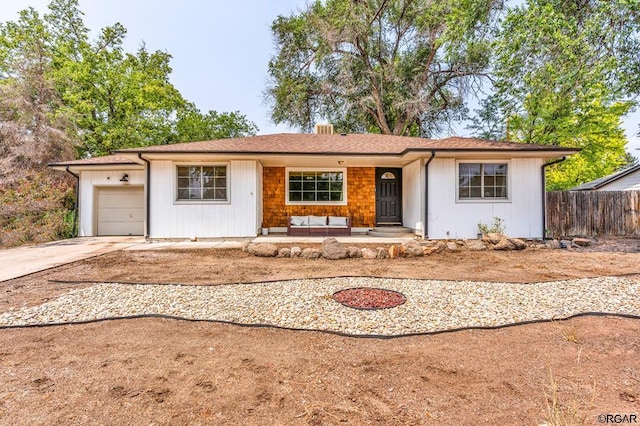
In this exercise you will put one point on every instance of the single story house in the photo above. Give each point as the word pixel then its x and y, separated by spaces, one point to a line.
pixel 623 180
pixel 439 189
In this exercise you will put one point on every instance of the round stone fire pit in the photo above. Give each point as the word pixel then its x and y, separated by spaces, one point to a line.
pixel 369 298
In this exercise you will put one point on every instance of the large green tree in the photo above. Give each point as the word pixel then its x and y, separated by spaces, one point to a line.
pixel 565 74
pixel 63 94
pixel 390 66
pixel 96 94
pixel 193 125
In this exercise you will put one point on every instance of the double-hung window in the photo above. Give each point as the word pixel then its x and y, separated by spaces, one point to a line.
pixel 482 181
pixel 207 183
pixel 310 186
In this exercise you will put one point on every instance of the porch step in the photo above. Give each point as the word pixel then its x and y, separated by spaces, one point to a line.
pixel 391 232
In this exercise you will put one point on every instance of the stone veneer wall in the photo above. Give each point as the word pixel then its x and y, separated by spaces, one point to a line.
pixel 361 199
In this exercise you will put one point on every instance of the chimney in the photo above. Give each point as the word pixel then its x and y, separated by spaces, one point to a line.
pixel 324 129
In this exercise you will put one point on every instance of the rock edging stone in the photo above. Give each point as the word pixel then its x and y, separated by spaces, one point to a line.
pixel 334 250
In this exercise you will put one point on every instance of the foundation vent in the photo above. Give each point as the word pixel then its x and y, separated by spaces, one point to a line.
pixel 324 129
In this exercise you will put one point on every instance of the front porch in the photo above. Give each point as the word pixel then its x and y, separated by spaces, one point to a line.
pixel 369 197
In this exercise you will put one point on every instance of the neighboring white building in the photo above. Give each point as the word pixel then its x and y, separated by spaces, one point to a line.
pixel 234 187
pixel 624 180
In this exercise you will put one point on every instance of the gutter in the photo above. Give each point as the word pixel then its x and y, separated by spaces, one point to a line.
pixel 527 149
pixel 74 230
pixel 544 194
pixel 425 226
pixel 147 187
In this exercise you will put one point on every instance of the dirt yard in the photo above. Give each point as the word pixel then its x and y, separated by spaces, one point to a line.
pixel 156 371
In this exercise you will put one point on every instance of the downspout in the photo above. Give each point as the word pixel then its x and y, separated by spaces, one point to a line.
pixel 544 194
pixel 425 226
pixel 147 187
pixel 74 230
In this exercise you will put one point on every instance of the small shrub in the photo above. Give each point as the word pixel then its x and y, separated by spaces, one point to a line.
pixel 65 229
pixel 496 228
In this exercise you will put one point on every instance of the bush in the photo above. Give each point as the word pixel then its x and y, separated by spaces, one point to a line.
pixel 496 228
pixel 36 208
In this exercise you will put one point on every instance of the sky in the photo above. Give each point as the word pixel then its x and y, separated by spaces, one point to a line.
pixel 221 49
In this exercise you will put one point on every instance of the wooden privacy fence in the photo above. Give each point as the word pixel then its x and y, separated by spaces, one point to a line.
pixel 571 213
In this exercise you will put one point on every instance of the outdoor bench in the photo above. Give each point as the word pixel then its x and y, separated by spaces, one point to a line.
pixel 318 226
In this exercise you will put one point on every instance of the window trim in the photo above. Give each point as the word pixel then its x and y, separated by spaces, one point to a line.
pixel 483 199
pixel 343 170
pixel 178 201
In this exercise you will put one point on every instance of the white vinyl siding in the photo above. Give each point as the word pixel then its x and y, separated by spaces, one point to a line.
pixel 259 195
pixel 521 213
pixel 413 195
pixel 91 181
pixel 238 217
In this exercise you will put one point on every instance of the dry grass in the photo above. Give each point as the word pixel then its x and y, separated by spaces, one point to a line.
pixel 561 412
pixel 570 334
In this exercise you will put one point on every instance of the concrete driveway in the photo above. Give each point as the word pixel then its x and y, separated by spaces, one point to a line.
pixel 20 261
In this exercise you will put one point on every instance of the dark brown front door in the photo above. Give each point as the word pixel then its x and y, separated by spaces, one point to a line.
pixel 388 196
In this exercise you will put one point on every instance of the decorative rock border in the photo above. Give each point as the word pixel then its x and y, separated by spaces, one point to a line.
pixel 332 249
pixel 306 304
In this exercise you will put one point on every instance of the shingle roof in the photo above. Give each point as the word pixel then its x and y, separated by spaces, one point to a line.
pixel 599 183
pixel 106 160
pixel 350 144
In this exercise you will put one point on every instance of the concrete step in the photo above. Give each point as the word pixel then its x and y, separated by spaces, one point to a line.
pixel 397 232
pixel 392 229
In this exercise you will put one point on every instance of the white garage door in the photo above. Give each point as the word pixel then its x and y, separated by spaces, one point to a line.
pixel 121 211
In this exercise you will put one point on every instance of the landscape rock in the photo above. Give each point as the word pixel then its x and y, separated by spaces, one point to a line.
pixel 284 252
pixel 452 246
pixel 354 252
pixel 504 244
pixel 383 253
pixel 396 251
pixel 296 251
pixel 582 242
pixel 311 253
pixel 518 244
pixel 263 250
pixel 412 248
pixel 492 238
pixel 368 253
pixel 475 245
pixel 333 249
pixel 429 250
pixel 436 247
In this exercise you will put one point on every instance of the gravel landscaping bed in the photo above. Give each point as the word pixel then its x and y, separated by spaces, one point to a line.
pixel 431 305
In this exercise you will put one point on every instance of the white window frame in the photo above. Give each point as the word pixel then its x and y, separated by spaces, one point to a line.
pixel 483 199
pixel 343 170
pixel 176 200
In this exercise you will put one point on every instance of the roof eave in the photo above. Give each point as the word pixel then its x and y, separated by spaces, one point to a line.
pixel 599 183
pixel 92 166
pixel 556 152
